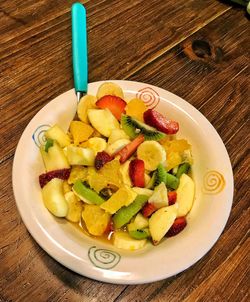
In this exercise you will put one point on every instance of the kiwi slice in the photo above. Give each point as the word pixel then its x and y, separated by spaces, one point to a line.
pixel 125 214
pixel 140 233
pixel 133 128
pixel 158 177
pixel 86 194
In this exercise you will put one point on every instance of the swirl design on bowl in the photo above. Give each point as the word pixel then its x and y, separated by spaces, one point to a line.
pixel 38 135
pixel 213 182
pixel 103 258
pixel 149 96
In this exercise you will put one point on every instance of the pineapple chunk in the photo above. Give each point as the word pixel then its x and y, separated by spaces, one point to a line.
pixel 80 131
pixel 103 121
pixel 56 133
pixel 123 197
pixel 54 199
pixel 78 173
pixel 96 219
pixel 122 240
pixel 74 207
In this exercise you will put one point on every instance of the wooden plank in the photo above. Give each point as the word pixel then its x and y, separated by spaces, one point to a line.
pixel 36 55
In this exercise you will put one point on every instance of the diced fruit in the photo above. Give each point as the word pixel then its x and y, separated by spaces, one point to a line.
pixel 54 199
pixel 172 196
pixel 74 207
pixel 176 145
pixel 183 168
pixel 130 148
pixel 136 172
pixel 96 181
pixel 157 120
pixel 148 209
pixel 123 197
pixel 158 177
pixel 111 172
pixel 152 153
pixel 147 179
pixel 46 177
pixel 136 108
pixel 125 214
pixel 80 156
pixel 161 221
pixel 87 102
pixel 80 131
pixel 56 133
pixel 109 88
pixel 117 145
pixel 185 195
pixel 139 234
pixel 122 240
pixel 101 159
pixel 172 181
pixel 55 158
pixel 78 173
pixel 86 194
pixel 117 134
pixel 133 128
pixel 143 191
pixel 124 171
pixel 173 159
pixel 160 196
pixel 97 144
pixel 178 225
pixel 114 103
pixel 96 219
pixel 140 222
pixel 66 187
pixel 103 121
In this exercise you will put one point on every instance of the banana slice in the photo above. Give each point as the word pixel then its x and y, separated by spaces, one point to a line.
pixel 74 207
pixel 86 102
pixel 152 153
pixel 97 144
pixel 109 88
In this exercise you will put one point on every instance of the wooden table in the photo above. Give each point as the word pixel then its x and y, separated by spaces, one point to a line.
pixel 198 50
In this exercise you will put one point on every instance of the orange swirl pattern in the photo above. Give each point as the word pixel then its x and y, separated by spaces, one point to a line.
pixel 149 96
pixel 213 182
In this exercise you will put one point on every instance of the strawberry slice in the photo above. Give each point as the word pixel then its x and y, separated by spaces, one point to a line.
pixel 136 172
pixel 157 120
pixel 148 209
pixel 114 103
pixel 172 196
pixel 130 148
pixel 178 225
pixel 46 177
pixel 101 159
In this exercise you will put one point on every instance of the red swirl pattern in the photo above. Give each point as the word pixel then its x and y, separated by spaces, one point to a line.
pixel 149 96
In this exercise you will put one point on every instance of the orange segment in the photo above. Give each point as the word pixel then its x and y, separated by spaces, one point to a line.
pixel 80 131
pixel 136 108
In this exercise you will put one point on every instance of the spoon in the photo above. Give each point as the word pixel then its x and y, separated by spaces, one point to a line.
pixel 79 49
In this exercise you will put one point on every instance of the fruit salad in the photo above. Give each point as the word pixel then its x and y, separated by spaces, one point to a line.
pixel 119 172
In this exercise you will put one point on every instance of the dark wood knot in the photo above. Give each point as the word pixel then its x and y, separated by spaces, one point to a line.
pixel 201 50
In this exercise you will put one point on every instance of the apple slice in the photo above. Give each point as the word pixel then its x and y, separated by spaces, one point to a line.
pixel 54 199
pixel 122 240
pixel 79 156
pixel 159 198
pixel 161 221
pixel 56 133
pixel 103 121
pixel 185 195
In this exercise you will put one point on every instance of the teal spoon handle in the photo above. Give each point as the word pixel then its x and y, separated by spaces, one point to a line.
pixel 79 48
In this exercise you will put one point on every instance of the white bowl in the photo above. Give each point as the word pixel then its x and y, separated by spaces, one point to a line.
pixel 212 173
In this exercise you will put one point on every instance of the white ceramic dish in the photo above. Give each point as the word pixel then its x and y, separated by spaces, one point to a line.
pixel 212 174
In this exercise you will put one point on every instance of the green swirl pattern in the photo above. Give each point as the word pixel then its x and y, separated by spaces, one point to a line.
pixel 103 258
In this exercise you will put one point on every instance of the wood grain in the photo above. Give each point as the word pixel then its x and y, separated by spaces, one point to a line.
pixel 36 56
pixel 196 49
